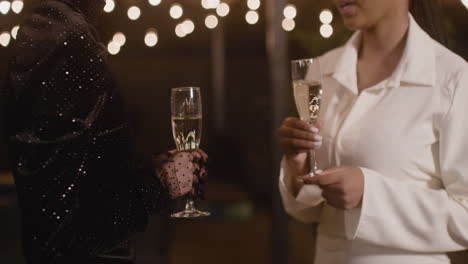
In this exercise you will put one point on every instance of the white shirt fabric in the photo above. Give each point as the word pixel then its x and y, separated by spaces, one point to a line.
pixel 409 136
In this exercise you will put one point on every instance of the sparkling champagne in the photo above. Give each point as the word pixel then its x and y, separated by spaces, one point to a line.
pixel 308 96
pixel 186 131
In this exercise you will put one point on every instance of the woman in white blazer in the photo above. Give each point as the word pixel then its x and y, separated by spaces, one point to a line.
pixel 392 142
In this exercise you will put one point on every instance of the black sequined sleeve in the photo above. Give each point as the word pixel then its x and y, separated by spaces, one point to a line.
pixel 80 191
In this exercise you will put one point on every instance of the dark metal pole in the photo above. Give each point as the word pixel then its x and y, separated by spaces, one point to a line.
pixel 277 48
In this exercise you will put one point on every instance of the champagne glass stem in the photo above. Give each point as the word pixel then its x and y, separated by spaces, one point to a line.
pixel 313 163
pixel 189 203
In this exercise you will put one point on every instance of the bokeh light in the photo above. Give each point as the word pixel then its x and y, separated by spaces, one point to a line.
pixel 326 30
pixel 151 38
pixel 290 11
pixel 14 31
pixel 326 16
pixel 17 6
pixel 211 21
pixel 223 10
pixel 251 17
pixel 5 39
pixel 134 12
pixel 110 6
pixel 288 24
pixel 176 11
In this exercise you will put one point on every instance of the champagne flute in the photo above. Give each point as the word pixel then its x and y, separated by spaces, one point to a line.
pixel 186 119
pixel 307 85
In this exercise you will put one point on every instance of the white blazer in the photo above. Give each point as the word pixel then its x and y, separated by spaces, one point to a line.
pixel 409 135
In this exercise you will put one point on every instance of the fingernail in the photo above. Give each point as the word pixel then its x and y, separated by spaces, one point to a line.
pixel 318 143
pixel 314 130
pixel 317 138
pixel 318 171
pixel 300 180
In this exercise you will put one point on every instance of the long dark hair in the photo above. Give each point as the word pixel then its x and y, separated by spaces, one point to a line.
pixel 429 15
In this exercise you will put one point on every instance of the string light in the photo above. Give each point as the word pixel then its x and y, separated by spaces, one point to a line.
pixel 5 7
pixel 290 11
pixel 326 30
pixel 210 4
pixel 176 11
pixel 151 38
pixel 223 10
pixel 251 17
pixel 188 26
pixel 5 39
pixel 253 4
pixel 113 48
pixel 134 12
pixel 211 21
pixel 17 6
pixel 110 6
pixel 288 24
pixel 179 30
pixel 14 31
pixel 154 2
pixel 465 3
pixel 119 38
pixel 326 16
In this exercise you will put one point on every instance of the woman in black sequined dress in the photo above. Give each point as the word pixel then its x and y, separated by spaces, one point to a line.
pixel 81 191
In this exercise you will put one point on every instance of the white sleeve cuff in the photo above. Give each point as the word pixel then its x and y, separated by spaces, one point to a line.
pixel 304 207
pixel 354 218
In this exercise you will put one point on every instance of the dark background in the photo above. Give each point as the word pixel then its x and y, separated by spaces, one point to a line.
pixel 239 194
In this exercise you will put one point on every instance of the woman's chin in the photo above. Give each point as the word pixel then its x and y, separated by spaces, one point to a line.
pixel 353 23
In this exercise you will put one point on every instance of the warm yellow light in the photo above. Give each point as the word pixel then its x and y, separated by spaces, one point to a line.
pixel 176 11
pixel 151 38
pixel 113 48
pixel 5 39
pixel 134 12
pixel 251 17
pixel 119 38
pixel 465 3
pixel 326 16
pixel 154 2
pixel 210 4
pixel 14 31
pixel 17 6
pixel 180 32
pixel 288 24
pixel 253 4
pixel 188 26
pixel 211 21
pixel 326 30
pixel 110 6
pixel 5 7
pixel 290 11
pixel 223 10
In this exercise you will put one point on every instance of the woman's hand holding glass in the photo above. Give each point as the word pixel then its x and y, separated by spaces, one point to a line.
pixel 343 187
pixel 189 178
pixel 297 139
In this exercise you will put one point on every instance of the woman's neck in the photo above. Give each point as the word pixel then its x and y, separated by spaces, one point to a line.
pixel 385 39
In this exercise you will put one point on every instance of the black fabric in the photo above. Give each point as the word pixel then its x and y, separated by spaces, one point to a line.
pixel 80 190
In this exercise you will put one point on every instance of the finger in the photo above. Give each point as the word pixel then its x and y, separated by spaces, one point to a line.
pixel 202 154
pixel 298 134
pixel 337 189
pixel 326 179
pixel 296 123
pixel 333 170
pixel 319 124
pixel 296 144
pixel 331 199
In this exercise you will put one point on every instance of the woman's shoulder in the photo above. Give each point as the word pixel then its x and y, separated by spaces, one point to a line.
pixel 448 63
